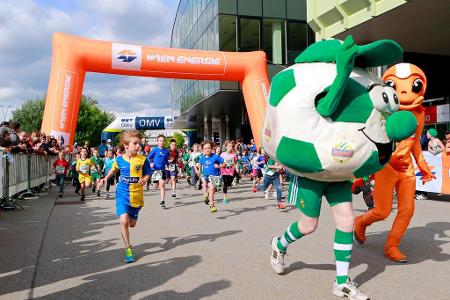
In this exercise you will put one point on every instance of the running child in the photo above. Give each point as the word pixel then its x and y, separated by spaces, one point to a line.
pixel 258 162
pixel 97 173
pixel 272 177
pixel 172 165
pixel 109 161
pixel 61 165
pixel 134 174
pixel 158 159
pixel 83 167
pixel 193 159
pixel 227 171
pixel 210 165
pixel 74 174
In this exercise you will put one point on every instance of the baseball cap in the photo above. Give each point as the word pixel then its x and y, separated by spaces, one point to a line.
pixel 432 132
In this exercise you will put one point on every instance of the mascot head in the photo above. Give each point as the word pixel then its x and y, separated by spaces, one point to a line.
pixel 328 119
pixel 409 82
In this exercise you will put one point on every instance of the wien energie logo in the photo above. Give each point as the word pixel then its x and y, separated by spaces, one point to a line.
pixel 127 56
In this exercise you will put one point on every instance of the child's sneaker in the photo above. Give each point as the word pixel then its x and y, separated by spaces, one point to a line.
pixel 349 290
pixel 225 200
pixel 162 204
pixel 281 205
pixel 129 255
pixel 82 198
pixel 213 209
pixel 107 196
pixel 254 189
pixel 277 257
pixel 206 200
pixel 174 194
pixel 98 193
pixel 60 195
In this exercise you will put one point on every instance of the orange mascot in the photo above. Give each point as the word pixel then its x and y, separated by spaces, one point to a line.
pixel 410 84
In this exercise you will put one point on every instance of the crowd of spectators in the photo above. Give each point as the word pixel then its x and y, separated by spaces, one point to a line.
pixel 14 140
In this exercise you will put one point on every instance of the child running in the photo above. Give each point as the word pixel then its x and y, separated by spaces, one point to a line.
pixel 272 177
pixel 97 173
pixel 210 164
pixel 158 159
pixel 74 174
pixel 83 168
pixel 109 160
pixel 227 171
pixel 258 162
pixel 172 165
pixel 61 165
pixel 134 174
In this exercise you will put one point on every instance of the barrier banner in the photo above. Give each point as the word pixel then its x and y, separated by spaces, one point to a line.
pixel 440 167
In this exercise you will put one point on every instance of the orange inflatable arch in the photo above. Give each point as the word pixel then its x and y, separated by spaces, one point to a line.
pixel 74 56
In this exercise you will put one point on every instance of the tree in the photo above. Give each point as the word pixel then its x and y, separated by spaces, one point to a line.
pixel 91 119
pixel 29 115
pixel 177 137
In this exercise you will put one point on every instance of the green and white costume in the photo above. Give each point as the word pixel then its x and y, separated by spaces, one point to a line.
pixel 329 122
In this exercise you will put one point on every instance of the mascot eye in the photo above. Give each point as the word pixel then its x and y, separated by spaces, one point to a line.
pixel 390 83
pixel 417 86
pixel 385 98
pixel 396 99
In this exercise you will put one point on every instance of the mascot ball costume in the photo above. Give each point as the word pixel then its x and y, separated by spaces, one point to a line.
pixel 410 84
pixel 328 121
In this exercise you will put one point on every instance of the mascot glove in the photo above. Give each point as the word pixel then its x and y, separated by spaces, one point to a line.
pixel 398 164
pixel 345 58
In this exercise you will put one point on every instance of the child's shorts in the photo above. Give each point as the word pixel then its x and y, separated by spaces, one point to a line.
pixel 85 178
pixel 123 208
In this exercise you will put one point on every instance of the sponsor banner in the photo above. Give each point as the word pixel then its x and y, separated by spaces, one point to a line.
pixel 65 104
pixel 146 123
pixel 126 57
pixel 437 114
pixel 164 60
pixel 62 137
pixel 440 167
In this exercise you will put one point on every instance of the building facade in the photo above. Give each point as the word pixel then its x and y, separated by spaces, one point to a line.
pixel 419 26
pixel 216 109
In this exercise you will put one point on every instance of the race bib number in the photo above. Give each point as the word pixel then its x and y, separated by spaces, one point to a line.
pixel 157 175
pixel 229 163
pixel 60 170
pixel 215 180
pixel 84 169
pixel 172 168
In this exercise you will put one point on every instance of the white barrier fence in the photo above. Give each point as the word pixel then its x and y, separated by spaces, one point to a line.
pixel 20 173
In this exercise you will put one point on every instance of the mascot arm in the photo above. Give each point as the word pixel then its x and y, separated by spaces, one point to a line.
pixel 421 163
pixel 332 95
pixel 398 159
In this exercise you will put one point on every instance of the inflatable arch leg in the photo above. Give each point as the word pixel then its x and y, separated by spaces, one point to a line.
pixel 74 56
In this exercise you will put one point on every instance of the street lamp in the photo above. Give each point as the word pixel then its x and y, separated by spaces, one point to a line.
pixel 5 110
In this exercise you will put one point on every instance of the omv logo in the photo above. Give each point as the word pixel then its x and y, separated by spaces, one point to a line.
pixel 127 56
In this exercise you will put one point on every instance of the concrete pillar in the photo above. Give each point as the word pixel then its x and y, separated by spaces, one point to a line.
pixel 223 128
pixel 208 128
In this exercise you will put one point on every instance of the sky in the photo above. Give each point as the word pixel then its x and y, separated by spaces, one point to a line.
pixel 26 28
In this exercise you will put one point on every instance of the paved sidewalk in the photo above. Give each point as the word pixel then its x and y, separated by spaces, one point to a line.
pixel 74 251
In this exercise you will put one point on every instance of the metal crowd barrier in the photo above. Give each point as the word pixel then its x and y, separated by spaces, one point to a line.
pixel 21 175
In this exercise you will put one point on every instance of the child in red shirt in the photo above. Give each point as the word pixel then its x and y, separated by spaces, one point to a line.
pixel 61 165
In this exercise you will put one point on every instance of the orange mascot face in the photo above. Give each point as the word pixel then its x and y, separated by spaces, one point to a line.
pixel 409 82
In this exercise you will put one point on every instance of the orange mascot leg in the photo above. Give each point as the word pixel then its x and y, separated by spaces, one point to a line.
pixel 385 181
pixel 405 209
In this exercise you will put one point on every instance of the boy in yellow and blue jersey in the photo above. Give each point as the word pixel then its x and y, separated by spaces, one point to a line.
pixel 134 175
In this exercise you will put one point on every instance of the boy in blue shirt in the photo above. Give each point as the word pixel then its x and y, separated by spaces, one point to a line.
pixel 210 166
pixel 159 159
pixel 134 174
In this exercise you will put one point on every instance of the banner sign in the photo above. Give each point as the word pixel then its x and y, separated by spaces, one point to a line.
pixel 440 167
pixel 437 114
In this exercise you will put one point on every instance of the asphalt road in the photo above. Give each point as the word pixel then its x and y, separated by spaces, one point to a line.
pixel 74 251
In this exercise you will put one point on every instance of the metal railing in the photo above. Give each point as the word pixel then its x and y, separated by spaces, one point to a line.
pixel 22 175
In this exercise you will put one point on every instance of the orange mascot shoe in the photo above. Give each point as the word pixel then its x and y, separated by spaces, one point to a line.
pixel 410 83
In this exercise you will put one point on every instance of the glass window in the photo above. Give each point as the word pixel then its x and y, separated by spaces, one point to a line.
pixel 228 7
pixel 250 7
pixel 274 9
pixel 297 39
pixel 249 34
pixel 274 41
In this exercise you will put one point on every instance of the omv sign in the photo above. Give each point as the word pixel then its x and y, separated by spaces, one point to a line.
pixel 146 123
